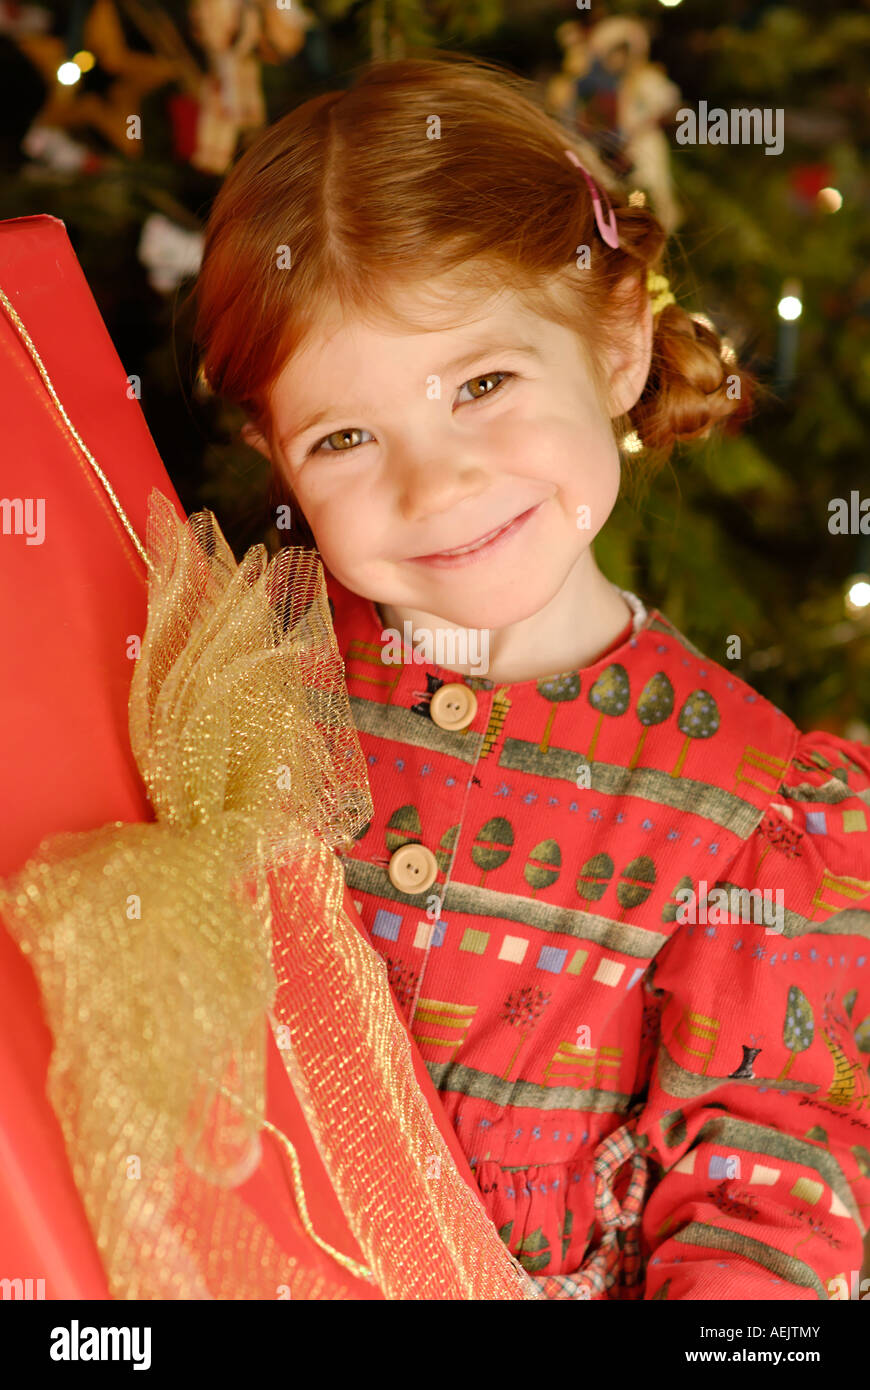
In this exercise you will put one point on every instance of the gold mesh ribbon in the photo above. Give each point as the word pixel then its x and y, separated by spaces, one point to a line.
pixel 163 949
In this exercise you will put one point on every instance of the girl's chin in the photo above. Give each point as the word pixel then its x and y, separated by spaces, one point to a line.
pixel 487 611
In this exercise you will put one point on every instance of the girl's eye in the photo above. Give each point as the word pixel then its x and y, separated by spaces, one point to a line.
pixel 327 447
pixel 489 376
pixel 337 434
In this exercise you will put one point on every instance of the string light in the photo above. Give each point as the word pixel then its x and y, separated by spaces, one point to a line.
pixel 829 199
pixel 789 308
pixel 857 596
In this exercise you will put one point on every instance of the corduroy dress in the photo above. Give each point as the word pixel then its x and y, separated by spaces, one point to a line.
pixel 660 1082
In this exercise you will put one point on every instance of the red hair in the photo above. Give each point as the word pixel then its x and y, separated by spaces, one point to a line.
pixel 368 206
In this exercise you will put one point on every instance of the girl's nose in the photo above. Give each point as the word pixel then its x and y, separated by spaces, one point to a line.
pixel 431 483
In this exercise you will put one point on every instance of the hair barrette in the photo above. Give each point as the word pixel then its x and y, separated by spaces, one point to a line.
pixel 609 231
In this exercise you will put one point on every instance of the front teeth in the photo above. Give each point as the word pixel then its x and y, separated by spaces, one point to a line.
pixel 465 548
pixel 476 545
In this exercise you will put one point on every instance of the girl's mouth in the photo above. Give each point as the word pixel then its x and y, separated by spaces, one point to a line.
pixel 476 550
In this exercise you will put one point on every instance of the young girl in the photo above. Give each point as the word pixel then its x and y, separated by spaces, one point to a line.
pixel 622 901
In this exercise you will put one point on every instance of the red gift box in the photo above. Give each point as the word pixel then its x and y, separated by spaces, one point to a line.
pixel 65 759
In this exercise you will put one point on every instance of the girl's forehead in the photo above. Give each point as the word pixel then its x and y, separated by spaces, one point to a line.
pixel 443 319
pixel 436 305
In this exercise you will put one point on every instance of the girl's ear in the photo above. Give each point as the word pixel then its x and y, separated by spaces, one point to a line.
pixel 252 436
pixel 630 368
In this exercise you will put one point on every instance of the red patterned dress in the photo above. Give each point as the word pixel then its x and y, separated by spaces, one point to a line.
pixel 660 1082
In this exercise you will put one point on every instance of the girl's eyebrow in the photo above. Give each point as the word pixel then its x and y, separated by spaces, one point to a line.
pixel 489 345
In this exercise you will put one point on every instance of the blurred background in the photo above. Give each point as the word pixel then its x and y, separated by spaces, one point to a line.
pixel 734 537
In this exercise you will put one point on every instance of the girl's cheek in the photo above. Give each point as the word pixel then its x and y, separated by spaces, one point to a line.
pixel 563 450
pixel 346 531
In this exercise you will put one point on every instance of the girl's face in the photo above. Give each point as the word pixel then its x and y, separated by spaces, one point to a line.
pixel 428 442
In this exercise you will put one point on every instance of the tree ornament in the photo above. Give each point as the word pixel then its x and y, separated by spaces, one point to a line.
pixel 610 92
pixel 134 75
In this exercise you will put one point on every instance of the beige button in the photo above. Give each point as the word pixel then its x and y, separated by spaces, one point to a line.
pixel 413 869
pixel 453 706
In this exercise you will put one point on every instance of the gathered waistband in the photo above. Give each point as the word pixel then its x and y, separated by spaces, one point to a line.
pixel 613 1261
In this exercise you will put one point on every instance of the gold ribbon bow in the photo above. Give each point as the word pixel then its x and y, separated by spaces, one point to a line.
pixel 162 949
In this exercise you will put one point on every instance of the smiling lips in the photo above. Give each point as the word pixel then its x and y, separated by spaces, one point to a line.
pixel 477 547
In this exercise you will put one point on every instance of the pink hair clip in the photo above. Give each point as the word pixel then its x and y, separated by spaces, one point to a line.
pixel 608 230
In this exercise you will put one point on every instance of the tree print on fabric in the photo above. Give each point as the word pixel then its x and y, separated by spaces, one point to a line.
pixel 669 911
pixel 849 1085
pixel 403 982
pixel 817 1228
pixel 523 1010
pixel 674 1129
pixel 543 865
pixel 841 769
pixel 698 718
pixel 862 1158
pixel 492 846
pixel 566 1232
pixel 556 689
pixel 635 884
pixel 403 828
pixel 446 846
pixel 818 1133
pixel 594 877
pixel 798 1029
pixel 777 834
pixel 611 695
pixel 654 706
pixel 743 1206
pixel 533 1252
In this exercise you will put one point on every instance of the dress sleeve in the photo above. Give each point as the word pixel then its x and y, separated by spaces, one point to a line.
pixel 757 1120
